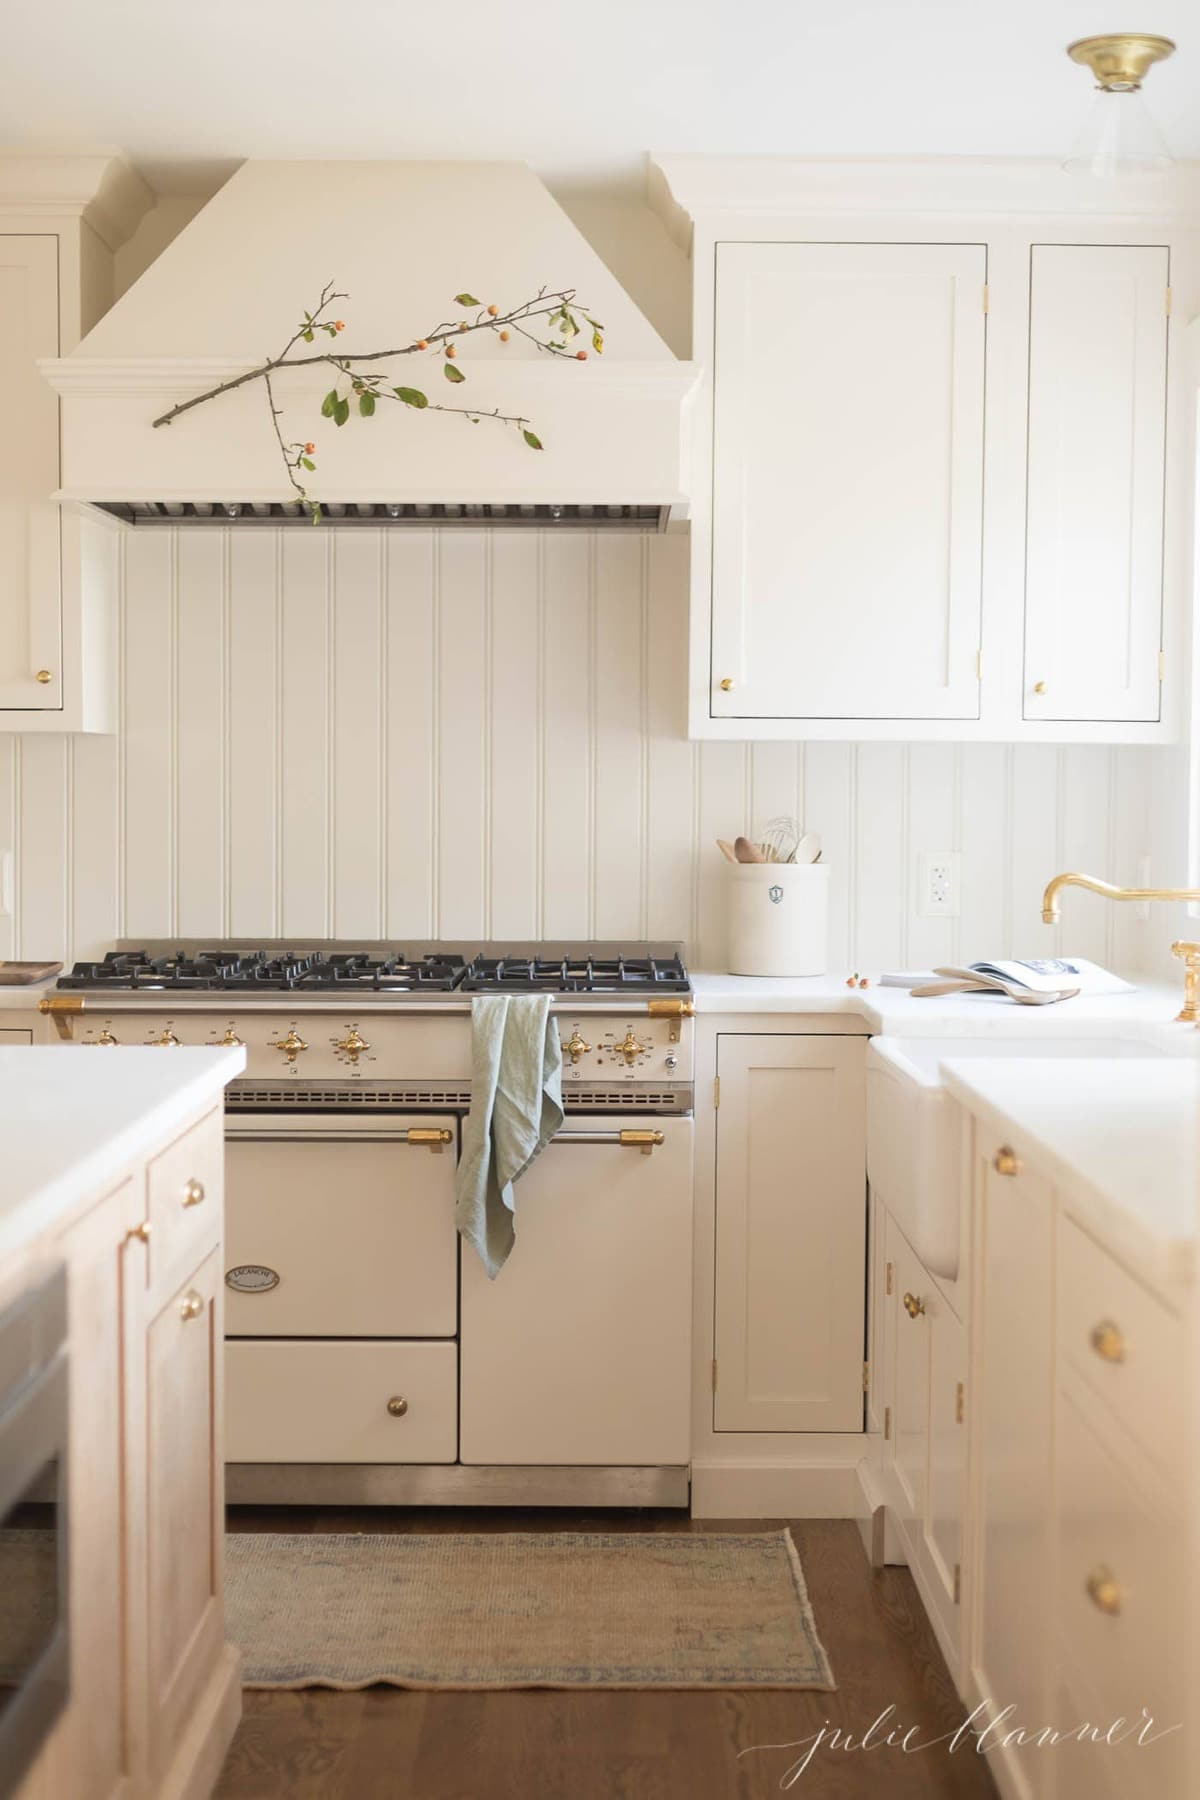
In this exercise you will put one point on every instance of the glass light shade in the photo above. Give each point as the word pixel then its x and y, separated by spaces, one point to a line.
pixel 1119 137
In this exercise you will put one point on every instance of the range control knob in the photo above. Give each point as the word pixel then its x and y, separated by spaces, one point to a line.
pixel 575 1046
pixel 630 1047
pixel 106 1037
pixel 291 1045
pixel 168 1039
pixel 352 1044
pixel 231 1039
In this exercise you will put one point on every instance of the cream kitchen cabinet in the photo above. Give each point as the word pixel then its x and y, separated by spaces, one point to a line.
pixel 61 218
pixel 941 461
pixel 791 1209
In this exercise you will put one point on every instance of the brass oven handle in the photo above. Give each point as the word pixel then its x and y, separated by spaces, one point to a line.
pixel 434 1138
pixel 645 1141
pixel 1104 1591
pixel 60 1007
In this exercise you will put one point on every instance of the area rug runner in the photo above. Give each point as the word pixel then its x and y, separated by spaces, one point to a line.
pixel 528 1609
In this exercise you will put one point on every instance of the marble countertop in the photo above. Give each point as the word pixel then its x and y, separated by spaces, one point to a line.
pixel 70 1123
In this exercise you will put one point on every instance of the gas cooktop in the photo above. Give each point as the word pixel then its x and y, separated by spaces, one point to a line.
pixel 330 968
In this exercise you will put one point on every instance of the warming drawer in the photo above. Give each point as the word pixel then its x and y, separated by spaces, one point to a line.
pixel 288 1401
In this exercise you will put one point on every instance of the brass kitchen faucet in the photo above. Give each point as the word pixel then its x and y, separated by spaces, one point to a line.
pixel 1189 1014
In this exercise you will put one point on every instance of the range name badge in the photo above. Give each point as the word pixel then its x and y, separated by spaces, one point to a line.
pixel 252 1278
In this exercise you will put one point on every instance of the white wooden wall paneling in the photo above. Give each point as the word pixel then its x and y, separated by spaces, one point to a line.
pixel 464 734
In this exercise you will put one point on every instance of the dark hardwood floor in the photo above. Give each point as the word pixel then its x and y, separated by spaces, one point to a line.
pixel 387 1744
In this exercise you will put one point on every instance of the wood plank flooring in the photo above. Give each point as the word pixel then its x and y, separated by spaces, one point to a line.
pixel 386 1744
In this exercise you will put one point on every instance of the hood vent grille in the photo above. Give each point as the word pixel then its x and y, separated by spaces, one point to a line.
pixel 543 516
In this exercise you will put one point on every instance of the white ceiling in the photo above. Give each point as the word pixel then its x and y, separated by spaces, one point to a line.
pixel 581 90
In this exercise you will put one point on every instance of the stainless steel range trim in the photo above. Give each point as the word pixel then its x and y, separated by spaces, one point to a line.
pixel 452 1484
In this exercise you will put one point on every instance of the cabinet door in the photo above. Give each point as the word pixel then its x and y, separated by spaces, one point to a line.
pixel 791 1234
pixel 30 629
pixel 1094 512
pixel 908 1445
pixel 941 1545
pixel 184 1499
pixel 847 480
pixel 1013 1616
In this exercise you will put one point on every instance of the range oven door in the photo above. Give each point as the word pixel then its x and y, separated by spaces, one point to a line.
pixel 580 1351
pixel 34 1642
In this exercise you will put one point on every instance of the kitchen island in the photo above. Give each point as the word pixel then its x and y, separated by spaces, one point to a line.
pixel 113 1171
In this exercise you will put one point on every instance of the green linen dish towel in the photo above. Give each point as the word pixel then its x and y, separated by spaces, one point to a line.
pixel 516 1107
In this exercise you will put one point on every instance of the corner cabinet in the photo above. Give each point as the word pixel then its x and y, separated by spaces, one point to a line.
pixel 941 460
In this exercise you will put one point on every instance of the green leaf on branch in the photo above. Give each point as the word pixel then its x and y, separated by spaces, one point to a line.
pixel 341 412
pixel 532 439
pixel 366 404
pixel 467 300
pixel 597 343
pixel 306 464
pixel 329 404
pixel 411 396
pixel 308 337
pixel 452 372
pixel 594 323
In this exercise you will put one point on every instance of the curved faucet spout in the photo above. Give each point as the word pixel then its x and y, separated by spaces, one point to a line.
pixel 1050 908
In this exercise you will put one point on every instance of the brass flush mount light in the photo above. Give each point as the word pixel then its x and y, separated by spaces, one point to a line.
pixel 1120 137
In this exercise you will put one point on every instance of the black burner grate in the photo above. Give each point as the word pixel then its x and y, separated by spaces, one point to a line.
pixel 631 975
pixel 216 970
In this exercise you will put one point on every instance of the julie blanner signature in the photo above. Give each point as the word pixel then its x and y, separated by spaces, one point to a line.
pixel 1001 1730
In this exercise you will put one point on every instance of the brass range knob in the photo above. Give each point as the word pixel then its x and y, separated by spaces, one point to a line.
pixel 168 1040
pixel 397 1406
pixel 352 1044
pixel 231 1039
pixel 575 1046
pixel 629 1047
pixel 106 1037
pixel 291 1045
pixel 913 1307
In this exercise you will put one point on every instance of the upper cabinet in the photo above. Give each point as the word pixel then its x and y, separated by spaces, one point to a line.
pixel 61 218
pixel 941 468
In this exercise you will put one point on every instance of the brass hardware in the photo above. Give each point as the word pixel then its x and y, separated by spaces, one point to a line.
pixel 193 1193
pixel 726 684
pixel 714 1375
pixel 106 1037
pixel 192 1305
pixel 168 1040
pixel 1039 687
pixel 716 1093
pixel 44 676
pixel 1050 911
pixel 1120 60
pixel 353 1044
pixel 291 1045
pixel 60 1007
pixel 675 1010
pixel 888 1287
pixel 1103 1591
pixel 913 1307
pixel 957 1584
pixel 866 1378
pixel 1189 1012
pixel 887 1421
pixel 629 1047
pixel 397 1406
pixel 433 1137
pixel 1006 1161
pixel 231 1038
pixel 960 1399
pixel 140 1232
pixel 1108 1341
pixel 575 1046
pixel 645 1141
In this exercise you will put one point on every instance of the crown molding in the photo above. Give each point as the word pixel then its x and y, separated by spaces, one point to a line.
pixel 98 186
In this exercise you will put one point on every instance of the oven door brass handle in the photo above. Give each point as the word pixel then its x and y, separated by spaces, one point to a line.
pixel 645 1141
pixel 433 1138
pixel 60 1007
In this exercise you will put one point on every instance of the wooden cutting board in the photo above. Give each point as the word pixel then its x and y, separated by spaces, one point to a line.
pixel 24 974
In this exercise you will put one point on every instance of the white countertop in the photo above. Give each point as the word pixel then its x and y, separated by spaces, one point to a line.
pixel 24 996
pixel 69 1121
pixel 1119 1136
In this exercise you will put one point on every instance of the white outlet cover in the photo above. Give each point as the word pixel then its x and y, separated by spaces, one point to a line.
pixel 938 884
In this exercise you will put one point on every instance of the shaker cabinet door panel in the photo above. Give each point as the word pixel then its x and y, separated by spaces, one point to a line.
pixel 30 630
pixel 847 480
pixel 1094 509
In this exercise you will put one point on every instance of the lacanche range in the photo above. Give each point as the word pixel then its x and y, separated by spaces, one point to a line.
pixel 368 1359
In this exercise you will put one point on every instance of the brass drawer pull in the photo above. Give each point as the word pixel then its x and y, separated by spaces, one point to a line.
pixel 1108 1341
pixel 192 1305
pixel 1103 1592
pixel 397 1406
pixel 913 1307
pixel 434 1138
pixel 1006 1161
pixel 140 1232
pixel 193 1193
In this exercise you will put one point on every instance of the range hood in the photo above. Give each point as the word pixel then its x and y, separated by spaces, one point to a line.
pixel 400 240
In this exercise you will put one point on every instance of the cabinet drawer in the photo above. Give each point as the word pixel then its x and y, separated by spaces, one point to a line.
pixel 289 1400
pixel 183 1203
pixel 1120 1588
pixel 1124 1342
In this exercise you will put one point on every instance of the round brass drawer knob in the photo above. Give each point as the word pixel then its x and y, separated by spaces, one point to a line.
pixel 44 676
pixel 727 685
pixel 192 1305
pixel 1108 1341
pixel 1039 687
pixel 397 1406
pixel 193 1193
pixel 1104 1592
pixel 913 1307
pixel 1006 1161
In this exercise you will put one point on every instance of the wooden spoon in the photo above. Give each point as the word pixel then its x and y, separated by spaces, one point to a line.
pixel 746 852
pixel 727 850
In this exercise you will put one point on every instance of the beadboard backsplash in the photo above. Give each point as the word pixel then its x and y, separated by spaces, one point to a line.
pixel 459 734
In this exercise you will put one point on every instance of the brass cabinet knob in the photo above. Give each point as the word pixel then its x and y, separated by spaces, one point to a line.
pixel 140 1232
pixel 1039 687
pixel 629 1047
pixel 575 1046
pixel 106 1037
pixel 231 1039
pixel 291 1045
pixel 1006 1161
pixel 193 1193
pixel 192 1305
pixel 727 684
pixel 397 1406
pixel 913 1307
pixel 353 1044
pixel 168 1039
pixel 44 676
pixel 1108 1342
pixel 1104 1592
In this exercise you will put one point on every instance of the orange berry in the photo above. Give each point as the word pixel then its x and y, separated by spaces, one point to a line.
pixel 581 356
pixel 450 350
pixel 422 343
pixel 504 336
pixel 462 325
pixel 339 324
pixel 493 310
pixel 309 448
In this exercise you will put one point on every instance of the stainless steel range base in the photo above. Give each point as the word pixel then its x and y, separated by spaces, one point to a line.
pixel 450 1484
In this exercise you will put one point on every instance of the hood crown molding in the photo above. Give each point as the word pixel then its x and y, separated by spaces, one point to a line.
pixel 98 186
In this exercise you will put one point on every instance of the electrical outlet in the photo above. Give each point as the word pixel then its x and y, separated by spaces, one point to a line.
pixel 938 884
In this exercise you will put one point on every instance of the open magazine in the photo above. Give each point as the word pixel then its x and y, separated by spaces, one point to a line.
pixel 1044 978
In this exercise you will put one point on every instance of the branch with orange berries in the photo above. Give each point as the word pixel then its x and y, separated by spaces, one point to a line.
pixel 555 314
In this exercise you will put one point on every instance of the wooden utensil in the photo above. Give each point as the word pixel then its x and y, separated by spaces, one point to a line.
pixel 22 974
pixel 727 850
pixel 746 852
